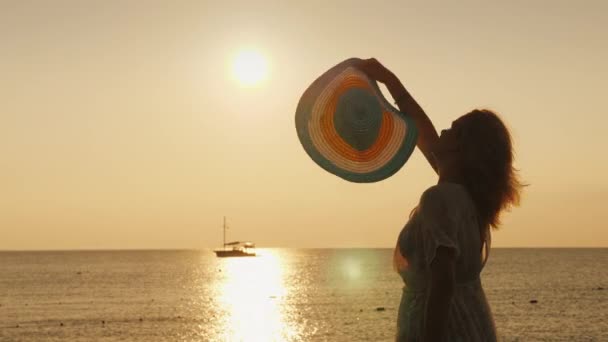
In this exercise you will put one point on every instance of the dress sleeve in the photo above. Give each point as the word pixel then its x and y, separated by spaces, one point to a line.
pixel 439 223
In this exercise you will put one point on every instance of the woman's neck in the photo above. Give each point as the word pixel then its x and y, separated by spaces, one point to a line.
pixel 451 175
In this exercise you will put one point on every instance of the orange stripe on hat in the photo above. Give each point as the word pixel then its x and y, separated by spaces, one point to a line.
pixel 334 139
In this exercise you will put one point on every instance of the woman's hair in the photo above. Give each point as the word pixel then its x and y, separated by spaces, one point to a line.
pixel 487 166
pixel 486 154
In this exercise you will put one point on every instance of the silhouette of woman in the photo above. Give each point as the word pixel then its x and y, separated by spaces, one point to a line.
pixel 445 243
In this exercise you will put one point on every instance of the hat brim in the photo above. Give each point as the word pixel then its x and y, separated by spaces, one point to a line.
pixel 376 142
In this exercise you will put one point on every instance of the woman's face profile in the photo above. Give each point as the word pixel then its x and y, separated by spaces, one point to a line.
pixel 448 143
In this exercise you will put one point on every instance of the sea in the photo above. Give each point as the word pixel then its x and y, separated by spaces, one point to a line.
pixel 280 295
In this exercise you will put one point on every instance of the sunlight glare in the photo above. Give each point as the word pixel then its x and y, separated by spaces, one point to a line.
pixel 252 293
pixel 250 67
pixel 352 269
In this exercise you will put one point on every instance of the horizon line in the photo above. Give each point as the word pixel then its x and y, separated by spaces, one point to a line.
pixel 261 248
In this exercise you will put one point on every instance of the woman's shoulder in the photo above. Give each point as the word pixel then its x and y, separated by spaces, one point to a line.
pixel 447 197
pixel 445 192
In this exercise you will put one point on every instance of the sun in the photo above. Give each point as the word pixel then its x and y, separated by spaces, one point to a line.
pixel 250 67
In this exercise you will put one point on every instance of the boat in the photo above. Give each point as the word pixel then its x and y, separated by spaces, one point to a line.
pixel 235 248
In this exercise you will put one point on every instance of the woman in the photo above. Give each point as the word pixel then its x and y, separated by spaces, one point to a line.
pixel 444 246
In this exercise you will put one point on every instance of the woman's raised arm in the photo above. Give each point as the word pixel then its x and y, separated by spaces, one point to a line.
pixel 427 135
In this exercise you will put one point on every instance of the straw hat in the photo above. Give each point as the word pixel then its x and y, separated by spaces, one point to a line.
pixel 347 126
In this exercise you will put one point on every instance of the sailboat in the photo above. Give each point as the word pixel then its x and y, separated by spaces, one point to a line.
pixel 235 248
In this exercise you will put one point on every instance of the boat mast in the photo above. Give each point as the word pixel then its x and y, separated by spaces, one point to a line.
pixel 224 231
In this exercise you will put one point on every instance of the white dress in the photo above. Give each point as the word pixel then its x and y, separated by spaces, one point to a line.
pixel 446 216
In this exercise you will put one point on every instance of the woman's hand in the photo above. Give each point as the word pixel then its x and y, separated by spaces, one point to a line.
pixel 378 72
pixel 427 135
pixel 375 70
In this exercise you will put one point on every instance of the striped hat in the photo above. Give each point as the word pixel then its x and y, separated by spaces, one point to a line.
pixel 347 127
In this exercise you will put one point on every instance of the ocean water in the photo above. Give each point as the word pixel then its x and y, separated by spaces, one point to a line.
pixel 281 295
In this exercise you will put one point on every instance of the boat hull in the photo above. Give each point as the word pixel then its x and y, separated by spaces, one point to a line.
pixel 226 254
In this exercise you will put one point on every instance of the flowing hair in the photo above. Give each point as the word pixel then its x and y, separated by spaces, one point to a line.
pixel 487 155
pixel 488 172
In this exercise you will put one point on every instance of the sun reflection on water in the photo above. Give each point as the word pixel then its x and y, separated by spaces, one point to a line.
pixel 252 293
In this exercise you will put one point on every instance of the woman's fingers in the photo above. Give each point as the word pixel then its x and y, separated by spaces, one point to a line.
pixel 375 70
pixel 369 66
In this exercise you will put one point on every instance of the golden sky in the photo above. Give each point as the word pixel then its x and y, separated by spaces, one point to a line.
pixel 122 126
